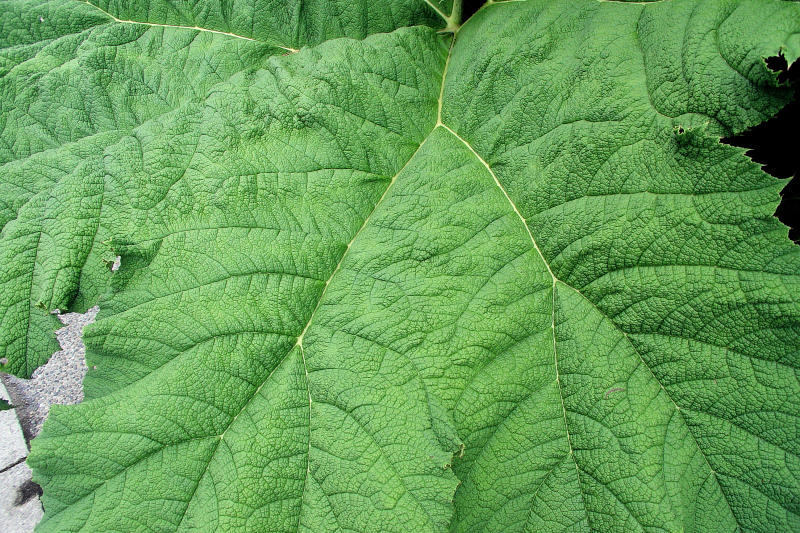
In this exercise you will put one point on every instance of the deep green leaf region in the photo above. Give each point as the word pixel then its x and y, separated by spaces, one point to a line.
pixel 386 270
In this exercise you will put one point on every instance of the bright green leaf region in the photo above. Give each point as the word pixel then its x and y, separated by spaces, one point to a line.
pixel 385 270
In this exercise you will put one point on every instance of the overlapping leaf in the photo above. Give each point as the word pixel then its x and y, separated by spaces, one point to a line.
pixel 76 80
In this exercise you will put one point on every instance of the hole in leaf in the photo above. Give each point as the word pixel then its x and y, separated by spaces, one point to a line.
pixel 774 144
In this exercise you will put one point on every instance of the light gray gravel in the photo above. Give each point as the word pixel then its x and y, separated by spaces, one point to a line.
pixel 58 381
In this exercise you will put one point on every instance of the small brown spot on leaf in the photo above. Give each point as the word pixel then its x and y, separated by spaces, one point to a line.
pixel 613 390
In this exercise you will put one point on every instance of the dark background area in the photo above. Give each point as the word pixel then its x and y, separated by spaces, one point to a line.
pixel 776 145
pixel 469 7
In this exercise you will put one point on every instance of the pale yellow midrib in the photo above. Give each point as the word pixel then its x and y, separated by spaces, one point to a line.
pixel 196 28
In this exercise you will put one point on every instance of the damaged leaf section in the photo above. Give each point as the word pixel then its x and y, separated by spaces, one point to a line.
pixel 772 144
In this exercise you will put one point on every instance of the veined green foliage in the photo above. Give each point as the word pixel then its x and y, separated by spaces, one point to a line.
pixel 381 277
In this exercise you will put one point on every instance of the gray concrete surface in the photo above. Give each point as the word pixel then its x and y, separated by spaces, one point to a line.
pixel 58 381
pixel 20 509
pixel 13 447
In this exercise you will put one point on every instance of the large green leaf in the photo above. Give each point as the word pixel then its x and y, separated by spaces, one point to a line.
pixel 285 165
pixel 522 250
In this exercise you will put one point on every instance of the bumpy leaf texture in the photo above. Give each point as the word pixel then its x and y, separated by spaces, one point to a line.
pixel 500 279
